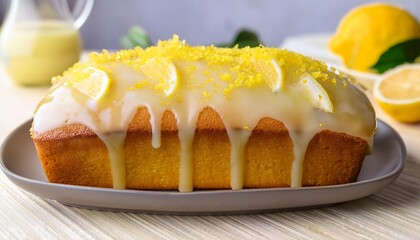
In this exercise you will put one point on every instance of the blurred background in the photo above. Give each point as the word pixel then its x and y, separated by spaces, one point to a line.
pixel 215 21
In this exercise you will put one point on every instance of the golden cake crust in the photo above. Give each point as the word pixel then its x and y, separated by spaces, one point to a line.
pixel 73 154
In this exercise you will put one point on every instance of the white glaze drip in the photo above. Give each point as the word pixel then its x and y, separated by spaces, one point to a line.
pixel 186 138
pixel 156 115
pixel 115 145
pixel 300 143
pixel 238 140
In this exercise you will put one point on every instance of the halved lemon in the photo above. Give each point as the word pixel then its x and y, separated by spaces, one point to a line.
pixel 397 92
pixel 271 73
pixel 315 93
pixel 164 71
pixel 95 84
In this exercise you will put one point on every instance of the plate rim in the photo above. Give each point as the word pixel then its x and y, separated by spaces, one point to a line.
pixel 13 177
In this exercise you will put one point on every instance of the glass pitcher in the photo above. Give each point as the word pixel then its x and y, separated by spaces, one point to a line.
pixel 40 39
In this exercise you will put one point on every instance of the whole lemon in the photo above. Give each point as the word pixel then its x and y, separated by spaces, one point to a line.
pixel 369 30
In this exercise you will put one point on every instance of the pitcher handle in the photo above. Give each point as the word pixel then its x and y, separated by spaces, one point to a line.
pixel 84 7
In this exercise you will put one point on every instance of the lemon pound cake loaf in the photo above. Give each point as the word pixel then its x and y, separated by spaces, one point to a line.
pixel 176 116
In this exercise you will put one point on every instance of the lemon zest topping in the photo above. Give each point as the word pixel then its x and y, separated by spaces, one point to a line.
pixel 189 68
pixel 206 95
pixel 247 67
pixel 138 85
pixel 226 77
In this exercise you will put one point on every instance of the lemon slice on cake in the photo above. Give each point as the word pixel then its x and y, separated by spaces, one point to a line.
pixel 398 93
pixel 315 93
pixel 94 84
pixel 272 74
pixel 163 71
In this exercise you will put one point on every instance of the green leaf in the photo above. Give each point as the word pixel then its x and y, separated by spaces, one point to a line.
pixel 126 42
pixel 223 45
pixel 136 36
pixel 245 38
pixel 404 52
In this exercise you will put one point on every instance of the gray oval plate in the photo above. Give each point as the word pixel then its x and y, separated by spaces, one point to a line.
pixel 20 163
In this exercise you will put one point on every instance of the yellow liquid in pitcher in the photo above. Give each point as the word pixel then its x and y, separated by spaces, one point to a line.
pixel 37 51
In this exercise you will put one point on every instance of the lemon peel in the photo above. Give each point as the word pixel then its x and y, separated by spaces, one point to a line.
pixel 315 93
pixel 397 92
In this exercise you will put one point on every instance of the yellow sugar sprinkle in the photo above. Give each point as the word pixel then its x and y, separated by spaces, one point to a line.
pixel 316 74
pixel 226 77
pixel 206 95
pixel 164 103
pixel 190 68
pixel 240 65
pixel 138 85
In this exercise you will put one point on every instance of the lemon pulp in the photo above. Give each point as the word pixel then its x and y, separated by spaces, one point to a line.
pixel 398 93
pixel 163 71
pixel 95 84
pixel 272 73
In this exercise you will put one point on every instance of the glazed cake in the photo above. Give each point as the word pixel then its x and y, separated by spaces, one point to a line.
pixel 185 117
